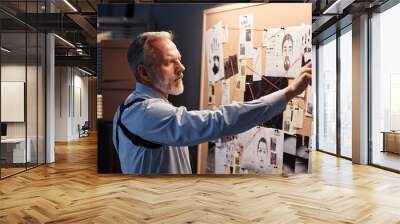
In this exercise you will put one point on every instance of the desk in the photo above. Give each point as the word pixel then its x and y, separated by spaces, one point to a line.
pixel 13 150
pixel 391 141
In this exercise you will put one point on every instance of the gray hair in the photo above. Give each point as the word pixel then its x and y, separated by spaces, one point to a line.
pixel 141 52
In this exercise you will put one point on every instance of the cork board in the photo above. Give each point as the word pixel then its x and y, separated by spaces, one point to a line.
pixel 264 16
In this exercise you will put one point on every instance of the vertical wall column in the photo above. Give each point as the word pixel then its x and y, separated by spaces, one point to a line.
pixel 62 102
pixel 50 92
pixel 50 99
pixel 314 97
pixel 360 90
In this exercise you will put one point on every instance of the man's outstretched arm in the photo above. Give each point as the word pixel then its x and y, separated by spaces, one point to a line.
pixel 165 124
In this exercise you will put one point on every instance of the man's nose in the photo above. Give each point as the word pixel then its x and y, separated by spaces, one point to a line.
pixel 181 66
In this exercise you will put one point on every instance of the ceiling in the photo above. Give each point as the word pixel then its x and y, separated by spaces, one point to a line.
pixel 329 16
pixel 76 22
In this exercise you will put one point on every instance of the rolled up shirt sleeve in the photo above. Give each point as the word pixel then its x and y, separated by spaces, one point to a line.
pixel 166 124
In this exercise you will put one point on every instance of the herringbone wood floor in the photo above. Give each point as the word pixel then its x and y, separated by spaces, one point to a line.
pixel 70 191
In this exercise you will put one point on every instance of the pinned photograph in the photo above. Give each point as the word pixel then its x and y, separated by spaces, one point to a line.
pixel 287 50
pixel 248 35
pixel 228 156
pixel 288 124
pixel 306 43
pixel 245 36
pixel 211 93
pixel 262 150
pixel 215 55
pixel 230 66
pixel 211 157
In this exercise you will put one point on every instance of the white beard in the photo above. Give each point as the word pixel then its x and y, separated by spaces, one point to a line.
pixel 169 88
pixel 178 90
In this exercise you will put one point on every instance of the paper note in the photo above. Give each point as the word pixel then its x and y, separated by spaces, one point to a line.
pixel 298 117
pixel 309 103
pixel 243 65
pixel 257 64
pixel 215 61
pixel 245 36
pixel 226 91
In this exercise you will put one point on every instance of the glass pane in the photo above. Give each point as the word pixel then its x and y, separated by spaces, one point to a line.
pixel 346 94
pixel 13 87
pixel 327 96
pixel 41 57
pixel 41 98
pixel 385 88
pixel 23 60
pixel 31 101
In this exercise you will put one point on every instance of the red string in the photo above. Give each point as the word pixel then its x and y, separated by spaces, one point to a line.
pixel 253 98
pixel 269 82
pixel 251 91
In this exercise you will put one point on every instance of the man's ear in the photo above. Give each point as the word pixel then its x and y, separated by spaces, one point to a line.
pixel 144 75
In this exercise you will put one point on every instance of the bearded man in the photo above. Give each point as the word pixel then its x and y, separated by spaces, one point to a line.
pixel 152 136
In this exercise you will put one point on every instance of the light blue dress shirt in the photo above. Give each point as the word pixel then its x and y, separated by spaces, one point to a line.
pixel 158 121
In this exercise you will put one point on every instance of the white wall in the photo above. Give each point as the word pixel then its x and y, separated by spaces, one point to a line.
pixel 33 126
pixel 61 103
pixel 10 73
pixel 16 72
pixel 13 72
pixel 71 87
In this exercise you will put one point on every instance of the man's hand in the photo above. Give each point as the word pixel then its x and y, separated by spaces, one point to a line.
pixel 300 83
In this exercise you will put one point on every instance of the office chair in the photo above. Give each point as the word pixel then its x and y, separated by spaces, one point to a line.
pixel 84 130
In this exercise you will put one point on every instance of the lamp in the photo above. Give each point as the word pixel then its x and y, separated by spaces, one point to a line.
pixel 84 71
pixel 337 7
pixel 5 50
pixel 70 5
pixel 65 41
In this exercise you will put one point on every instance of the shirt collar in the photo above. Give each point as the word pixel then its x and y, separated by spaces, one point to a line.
pixel 142 89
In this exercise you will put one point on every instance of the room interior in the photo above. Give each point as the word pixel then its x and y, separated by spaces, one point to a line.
pixel 63 67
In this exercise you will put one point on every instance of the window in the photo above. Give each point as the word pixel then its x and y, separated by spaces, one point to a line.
pixel 385 89
pixel 327 96
pixel 346 92
pixel 23 77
